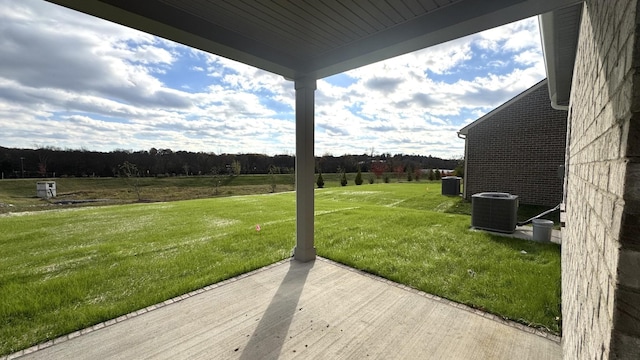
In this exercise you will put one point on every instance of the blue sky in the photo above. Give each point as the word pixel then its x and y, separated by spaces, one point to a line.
pixel 73 81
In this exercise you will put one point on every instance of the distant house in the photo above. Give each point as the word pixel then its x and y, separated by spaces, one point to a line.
pixel 518 148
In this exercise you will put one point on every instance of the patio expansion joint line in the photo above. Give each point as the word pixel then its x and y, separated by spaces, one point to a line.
pixel 510 323
pixel 136 313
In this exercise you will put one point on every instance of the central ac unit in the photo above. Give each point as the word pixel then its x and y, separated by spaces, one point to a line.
pixel 494 211
pixel 451 185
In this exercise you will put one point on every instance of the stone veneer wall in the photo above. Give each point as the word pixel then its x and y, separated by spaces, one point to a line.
pixel 601 241
pixel 518 150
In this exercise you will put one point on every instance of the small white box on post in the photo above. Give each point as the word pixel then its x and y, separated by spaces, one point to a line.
pixel 46 189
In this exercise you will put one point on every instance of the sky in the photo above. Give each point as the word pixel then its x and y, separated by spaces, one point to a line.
pixel 73 81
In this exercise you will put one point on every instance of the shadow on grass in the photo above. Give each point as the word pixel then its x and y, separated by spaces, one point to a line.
pixel 530 246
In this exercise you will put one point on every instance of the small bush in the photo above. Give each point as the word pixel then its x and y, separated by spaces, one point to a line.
pixel 399 170
pixel 371 179
pixel 343 179
pixel 292 177
pixel 459 170
pixel 273 181
pixel 409 171
pixel 320 181
pixel 417 174
pixel 378 168
pixel 438 174
pixel 385 178
pixel 358 179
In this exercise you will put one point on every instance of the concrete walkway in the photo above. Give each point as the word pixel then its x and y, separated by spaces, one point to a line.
pixel 316 310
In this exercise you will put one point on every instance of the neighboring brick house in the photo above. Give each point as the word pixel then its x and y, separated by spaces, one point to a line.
pixel 518 148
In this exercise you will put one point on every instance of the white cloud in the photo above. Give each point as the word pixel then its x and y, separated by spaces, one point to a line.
pixel 516 36
pixel 529 57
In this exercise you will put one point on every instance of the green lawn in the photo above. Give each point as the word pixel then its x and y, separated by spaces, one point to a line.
pixel 63 270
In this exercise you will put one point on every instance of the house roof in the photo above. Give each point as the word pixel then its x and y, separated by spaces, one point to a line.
pixel 489 115
pixel 312 38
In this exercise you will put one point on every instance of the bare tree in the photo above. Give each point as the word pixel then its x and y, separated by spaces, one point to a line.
pixel 132 175
pixel 378 167
pixel 43 157
pixel 236 167
pixel 217 181
pixel 273 171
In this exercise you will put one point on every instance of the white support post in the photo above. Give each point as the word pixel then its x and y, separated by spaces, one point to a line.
pixel 305 169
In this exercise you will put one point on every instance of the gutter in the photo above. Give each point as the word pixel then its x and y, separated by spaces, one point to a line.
pixel 547 38
pixel 559 35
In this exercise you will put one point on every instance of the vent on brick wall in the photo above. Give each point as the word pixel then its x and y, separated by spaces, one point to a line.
pixel 494 211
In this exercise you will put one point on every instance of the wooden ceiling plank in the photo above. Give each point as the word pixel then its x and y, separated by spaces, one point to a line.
pixel 415 7
pixel 443 3
pixel 383 12
pixel 279 21
pixel 389 11
pixel 224 13
pixel 337 7
pixel 348 20
pixel 429 5
pixel 357 8
pixel 306 23
pixel 321 20
pixel 399 8
pixel 284 26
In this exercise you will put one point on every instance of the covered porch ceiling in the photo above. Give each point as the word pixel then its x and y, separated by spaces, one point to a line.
pixel 316 38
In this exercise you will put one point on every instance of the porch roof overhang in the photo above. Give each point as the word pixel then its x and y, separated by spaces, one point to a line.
pixel 311 38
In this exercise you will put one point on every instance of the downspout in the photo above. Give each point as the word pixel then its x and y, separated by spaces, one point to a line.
pixel 464 178
pixel 565 180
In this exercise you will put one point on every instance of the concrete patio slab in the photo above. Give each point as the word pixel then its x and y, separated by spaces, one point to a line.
pixel 315 310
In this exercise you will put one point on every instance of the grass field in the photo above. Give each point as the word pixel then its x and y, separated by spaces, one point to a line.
pixel 66 269
pixel 20 194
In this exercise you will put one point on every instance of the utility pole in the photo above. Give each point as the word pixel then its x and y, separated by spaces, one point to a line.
pixel 22 165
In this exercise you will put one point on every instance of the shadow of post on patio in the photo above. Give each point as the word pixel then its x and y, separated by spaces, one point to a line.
pixel 268 338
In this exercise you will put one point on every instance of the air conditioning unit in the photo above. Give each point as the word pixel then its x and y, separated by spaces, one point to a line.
pixel 494 211
pixel 451 185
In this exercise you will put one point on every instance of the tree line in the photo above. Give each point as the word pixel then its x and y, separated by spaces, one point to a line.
pixel 53 162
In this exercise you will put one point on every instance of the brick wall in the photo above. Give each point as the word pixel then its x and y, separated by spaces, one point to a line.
pixel 518 150
pixel 601 241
